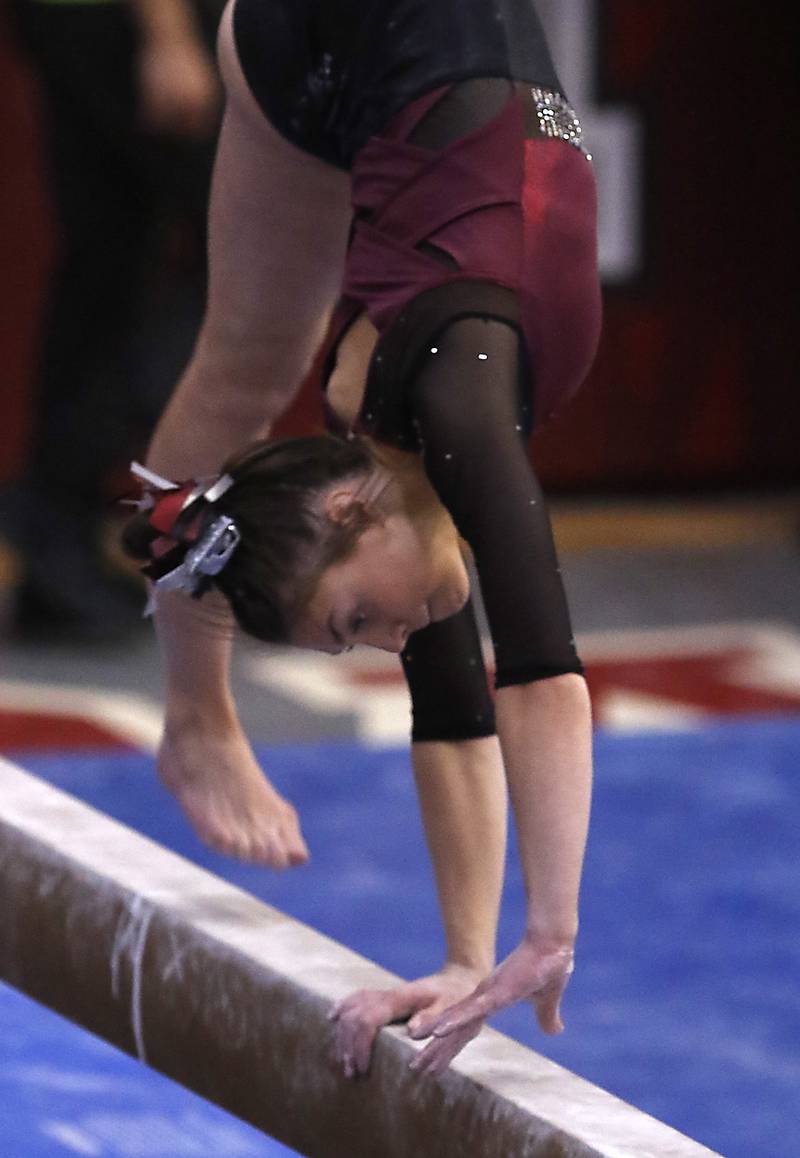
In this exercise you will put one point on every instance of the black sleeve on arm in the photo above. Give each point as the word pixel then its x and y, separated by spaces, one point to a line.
pixel 470 399
pixel 446 676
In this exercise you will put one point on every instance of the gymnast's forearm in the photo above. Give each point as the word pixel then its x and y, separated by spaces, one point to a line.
pixel 545 734
pixel 462 794
pixel 204 423
pixel 214 411
pixel 195 639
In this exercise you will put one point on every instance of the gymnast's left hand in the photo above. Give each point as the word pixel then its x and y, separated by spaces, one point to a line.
pixel 359 1017
pixel 535 971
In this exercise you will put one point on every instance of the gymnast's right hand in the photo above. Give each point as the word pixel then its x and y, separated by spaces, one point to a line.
pixel 359 1017
pixel 213 773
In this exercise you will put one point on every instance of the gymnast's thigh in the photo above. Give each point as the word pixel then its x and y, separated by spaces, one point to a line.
pixel 278 229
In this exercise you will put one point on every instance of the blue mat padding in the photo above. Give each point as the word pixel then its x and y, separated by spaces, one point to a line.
pixel 684 1001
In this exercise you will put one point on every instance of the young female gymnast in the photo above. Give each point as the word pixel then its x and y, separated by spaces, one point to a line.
pixel 414 161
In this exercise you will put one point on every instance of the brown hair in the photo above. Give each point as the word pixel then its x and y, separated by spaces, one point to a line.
pixel 286 540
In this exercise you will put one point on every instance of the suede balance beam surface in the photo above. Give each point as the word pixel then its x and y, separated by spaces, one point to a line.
pixel 230 997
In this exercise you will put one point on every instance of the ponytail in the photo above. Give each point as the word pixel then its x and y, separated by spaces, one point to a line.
pixel 264 541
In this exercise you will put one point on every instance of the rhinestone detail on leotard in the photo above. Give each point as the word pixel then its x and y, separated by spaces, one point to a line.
pixel 557 118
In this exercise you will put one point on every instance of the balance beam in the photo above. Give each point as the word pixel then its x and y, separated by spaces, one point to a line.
pixel 230 997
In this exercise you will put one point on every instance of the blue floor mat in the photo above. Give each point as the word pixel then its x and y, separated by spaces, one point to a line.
pixel 684 1001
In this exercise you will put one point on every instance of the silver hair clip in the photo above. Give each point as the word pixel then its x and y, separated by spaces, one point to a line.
pixel 205 559
pixel 210 553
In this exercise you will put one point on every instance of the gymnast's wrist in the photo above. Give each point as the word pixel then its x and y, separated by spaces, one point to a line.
pixel 212 711
pixel 471 956
pixel 552 937
pixel 473 970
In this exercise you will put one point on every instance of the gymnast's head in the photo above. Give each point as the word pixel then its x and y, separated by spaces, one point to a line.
pixel 314 542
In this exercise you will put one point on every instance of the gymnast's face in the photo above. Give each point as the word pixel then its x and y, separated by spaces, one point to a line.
pixel 399 578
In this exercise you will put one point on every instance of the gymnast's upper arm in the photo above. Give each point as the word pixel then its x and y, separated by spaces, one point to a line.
pixel 472 403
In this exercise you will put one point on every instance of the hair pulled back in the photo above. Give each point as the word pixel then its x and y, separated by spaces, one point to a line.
pixel 286 539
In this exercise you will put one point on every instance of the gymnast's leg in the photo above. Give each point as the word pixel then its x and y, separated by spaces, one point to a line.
pixel 278 228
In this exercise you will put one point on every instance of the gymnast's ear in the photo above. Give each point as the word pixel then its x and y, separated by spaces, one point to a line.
pixel 345 506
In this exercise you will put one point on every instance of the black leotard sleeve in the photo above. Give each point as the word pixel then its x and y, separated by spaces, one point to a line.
pixel 446 676
pixel 469 404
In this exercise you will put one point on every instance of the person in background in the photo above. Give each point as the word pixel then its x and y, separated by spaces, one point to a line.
pixel 130 103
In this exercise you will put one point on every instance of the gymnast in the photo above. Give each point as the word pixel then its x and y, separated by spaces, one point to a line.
pixel 402 192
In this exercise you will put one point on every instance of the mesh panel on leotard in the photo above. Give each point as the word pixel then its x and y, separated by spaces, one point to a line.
pixel 461 109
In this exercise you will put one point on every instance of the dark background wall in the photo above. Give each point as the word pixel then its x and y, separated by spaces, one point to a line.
pixel 26 246
pixel 696 378
pixel 694 386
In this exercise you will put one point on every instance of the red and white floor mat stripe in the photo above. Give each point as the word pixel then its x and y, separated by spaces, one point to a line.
pixel 664 679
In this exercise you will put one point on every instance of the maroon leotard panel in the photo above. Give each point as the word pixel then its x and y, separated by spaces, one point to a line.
pixel 502 208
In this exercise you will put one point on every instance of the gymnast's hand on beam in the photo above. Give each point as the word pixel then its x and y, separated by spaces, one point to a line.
pixel 533 972
pixel 359 1017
